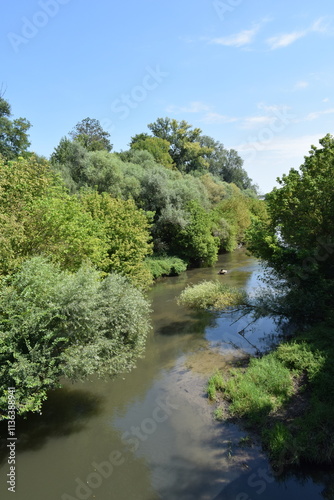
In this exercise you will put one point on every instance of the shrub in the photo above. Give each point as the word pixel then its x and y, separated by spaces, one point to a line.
pixel 54 324
pixel 165 266
pixel 211 295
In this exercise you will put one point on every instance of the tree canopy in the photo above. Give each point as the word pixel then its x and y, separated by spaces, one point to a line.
pixel 91 135
pixel 13 133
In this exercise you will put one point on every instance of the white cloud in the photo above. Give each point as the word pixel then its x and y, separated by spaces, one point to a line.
pixel 265 162
pixel 240 39
pixel 301 85
pixel 326 99
pixel 271 114
pixel 277 42
pixel 251 122
pixel 216 118
pixel 317 114
pixel 208 115
pixel 321 25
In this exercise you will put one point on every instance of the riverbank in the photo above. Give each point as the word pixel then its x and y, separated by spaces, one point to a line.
pixel 286 397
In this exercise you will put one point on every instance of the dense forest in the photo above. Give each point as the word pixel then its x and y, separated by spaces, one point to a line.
pixel 85 232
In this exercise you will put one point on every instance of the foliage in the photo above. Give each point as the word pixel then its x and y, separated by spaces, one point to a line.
pixel 226 164
pixel 55 324
pixel 127 233
pixel 297 240
pixel 194 241
pixel 165 266
pixel 159 148
pixel 70 159
pixel 211 295
pixel 21 183
pixel 185 149
pixel 58 225
pixel 91 135
pixel 13 133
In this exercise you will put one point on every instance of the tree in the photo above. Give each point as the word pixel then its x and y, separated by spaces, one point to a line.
pixel 78 325
pixel 13 133
pixel 127 231
pixel 159 148
pixel 226 164
pixel 190 235
pixel 185 148
pixel 297 242
pixel 91 135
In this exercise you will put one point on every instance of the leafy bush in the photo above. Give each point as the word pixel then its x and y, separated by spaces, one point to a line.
pixel 165 266
pixel 211 295
pixel 54 324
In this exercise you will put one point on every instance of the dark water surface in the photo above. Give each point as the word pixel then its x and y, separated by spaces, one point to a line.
pixel 150 435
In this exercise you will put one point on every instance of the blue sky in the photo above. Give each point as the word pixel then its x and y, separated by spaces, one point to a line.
pixel 256 75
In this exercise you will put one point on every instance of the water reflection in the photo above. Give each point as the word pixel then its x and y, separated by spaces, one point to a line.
pixel 66 411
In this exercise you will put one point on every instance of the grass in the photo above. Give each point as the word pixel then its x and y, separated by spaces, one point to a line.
pixel 215 384
pixel 211 295
pixel 287 396
pixel 262 388
pixel 165 266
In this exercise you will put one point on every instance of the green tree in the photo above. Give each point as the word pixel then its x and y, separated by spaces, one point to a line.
pixel 21 183
pixel 226 164
pixel 55 324
pixel 192 238
pixel 91 135
pixel 297 241
pixel 185 149
pixel 13 133
pixel 159 148
pixel 128 236
pixel 58 225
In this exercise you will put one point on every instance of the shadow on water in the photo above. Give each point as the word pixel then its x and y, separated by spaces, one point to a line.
pixel 195 324
pixel 259 483
pixel 65 412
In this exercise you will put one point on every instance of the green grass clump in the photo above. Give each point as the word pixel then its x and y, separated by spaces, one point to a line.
pixel 219 414
pixel 288 395
pixel 215 383
pixel 165 266
pixel 265 386
pixel 279 442
pixel 211 295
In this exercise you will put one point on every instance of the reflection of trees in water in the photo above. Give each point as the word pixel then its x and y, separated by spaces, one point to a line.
pixel 65 412
pixel 319 475
pixel 195 325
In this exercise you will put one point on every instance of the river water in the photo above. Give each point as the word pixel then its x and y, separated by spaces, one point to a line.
pixel 150 434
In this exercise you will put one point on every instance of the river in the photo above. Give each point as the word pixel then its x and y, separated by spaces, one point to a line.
pixel 150 434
